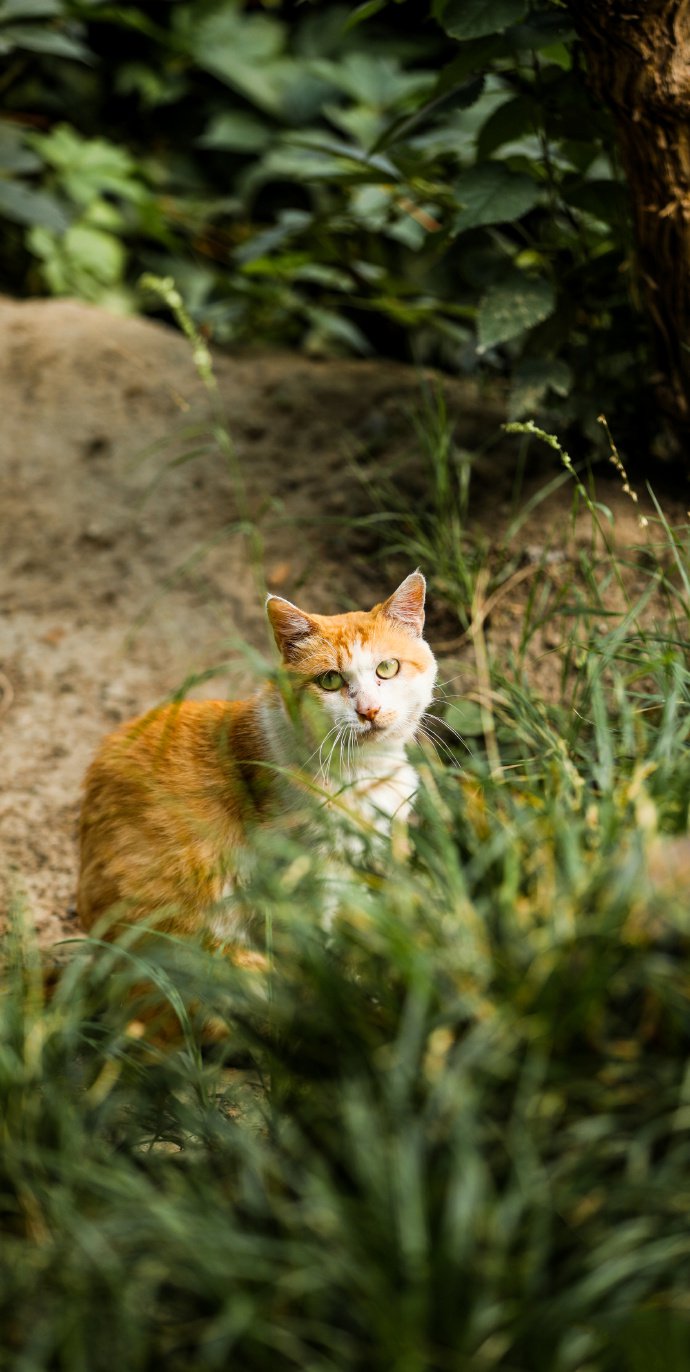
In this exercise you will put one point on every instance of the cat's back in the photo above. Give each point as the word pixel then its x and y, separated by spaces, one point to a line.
pixel 166 794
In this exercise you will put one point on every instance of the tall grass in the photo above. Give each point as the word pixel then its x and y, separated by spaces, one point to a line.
pixel 451 1133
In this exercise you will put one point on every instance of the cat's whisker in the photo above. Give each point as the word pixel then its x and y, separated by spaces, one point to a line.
pixel 443 755
pixel 325 767
pixel 438 742
pixel 430 740
pixel 444 723
pixel 338 743
pixel 351 751
pixel 319 750
pixel 319 746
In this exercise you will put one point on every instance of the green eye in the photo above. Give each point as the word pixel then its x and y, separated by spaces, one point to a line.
pixel 389 668
pixel 330 681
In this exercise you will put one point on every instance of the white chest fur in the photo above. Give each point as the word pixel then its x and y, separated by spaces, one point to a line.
pixel 384 793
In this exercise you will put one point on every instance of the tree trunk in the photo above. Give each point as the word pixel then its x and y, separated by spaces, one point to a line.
pixel 638 56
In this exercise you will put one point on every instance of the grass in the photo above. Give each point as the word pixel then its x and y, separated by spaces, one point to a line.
pixel 454 1133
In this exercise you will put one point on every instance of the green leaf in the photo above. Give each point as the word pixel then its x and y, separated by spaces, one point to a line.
pixel 24 205
pixel 335 147
pixel 246 52
pixel 96 253
pixel 606 200
pixel 511 307
pixel 363 12
pixel 491 194
pixel 15 156
pixel 518 115
pixel 29 9
pixel 545 30
pixel 375 81
pixel 35 38
pixel 236 131
pixel 465 19
pixel 458 97
pixel 465 716
pixel 533 378
pixel 291 222
pixel 89 166
pixel 472 59
pixel 332 333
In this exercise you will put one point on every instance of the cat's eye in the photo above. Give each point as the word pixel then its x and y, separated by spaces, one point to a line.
pixel 390 667
pixel 330 681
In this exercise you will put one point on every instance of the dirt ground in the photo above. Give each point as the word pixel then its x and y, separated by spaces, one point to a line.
pixel 134 553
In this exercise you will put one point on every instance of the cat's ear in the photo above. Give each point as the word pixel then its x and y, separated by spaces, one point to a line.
pixel 290 625
pixel 406 605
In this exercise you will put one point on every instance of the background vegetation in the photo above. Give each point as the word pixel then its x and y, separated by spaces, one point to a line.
pixel 431 182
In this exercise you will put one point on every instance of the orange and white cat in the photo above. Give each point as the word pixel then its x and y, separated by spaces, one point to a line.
pixel 172 797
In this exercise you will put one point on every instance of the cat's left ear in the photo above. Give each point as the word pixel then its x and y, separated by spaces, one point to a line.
pixel 290 625
pixel 406 605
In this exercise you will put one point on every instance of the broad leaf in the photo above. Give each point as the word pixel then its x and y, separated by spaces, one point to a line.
pixel 236 131
pixel 458 97
pixel 533 378
pixel 464 19
pixel 29 9
pixel 363 12
pixel 24 205
pixel 511 307
pixel 35 38
pixel 517 116
pixel 15 156
pixel 491 194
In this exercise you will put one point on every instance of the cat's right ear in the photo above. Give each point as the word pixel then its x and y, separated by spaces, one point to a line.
pixel 290 625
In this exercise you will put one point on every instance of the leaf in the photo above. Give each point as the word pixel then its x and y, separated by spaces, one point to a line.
pixel 545 30
pixel 374 81
pixel 291 222
pixel 89 166
pixel 24 205
pixel 363 12
pixel 331 278
pixel 472 59
pixel 331 333
pixel 491 194
pixel 34 38
pixel 29 9
pixel 511 307
pixel 457 97
pixel 465 19
pixel 607 200
pixel 533 378
pixel 335 147
pixel 95 252
pixel 517 116
pixel 236 131
pixel 15 156
pixel 246 52
pixel 465 716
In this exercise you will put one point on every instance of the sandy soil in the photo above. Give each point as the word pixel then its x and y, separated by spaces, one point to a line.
pixel 126 567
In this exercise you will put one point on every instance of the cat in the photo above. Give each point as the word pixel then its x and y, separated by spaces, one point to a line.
pixel 172 796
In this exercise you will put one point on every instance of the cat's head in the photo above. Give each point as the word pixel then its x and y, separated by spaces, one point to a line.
pixel 370 670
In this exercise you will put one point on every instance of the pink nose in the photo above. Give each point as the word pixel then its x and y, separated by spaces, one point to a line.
pixel 368 711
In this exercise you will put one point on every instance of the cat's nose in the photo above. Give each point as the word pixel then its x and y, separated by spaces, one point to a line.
pixel 368 711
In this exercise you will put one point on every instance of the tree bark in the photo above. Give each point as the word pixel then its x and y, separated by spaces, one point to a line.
pixel 638 57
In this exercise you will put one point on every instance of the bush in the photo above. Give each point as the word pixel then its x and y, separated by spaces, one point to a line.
pixel 435 185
